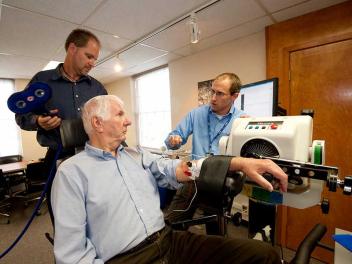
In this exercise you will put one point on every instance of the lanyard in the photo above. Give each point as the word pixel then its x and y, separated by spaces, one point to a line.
pixel 217 134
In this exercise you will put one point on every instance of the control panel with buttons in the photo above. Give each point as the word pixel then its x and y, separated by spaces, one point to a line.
pixel 272 125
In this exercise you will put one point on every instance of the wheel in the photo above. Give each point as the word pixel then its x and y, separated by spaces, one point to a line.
pixel 237 219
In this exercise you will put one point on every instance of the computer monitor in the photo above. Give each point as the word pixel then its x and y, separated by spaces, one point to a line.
pixel 259 99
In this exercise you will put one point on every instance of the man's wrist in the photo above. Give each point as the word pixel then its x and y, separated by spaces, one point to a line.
pixel 236 164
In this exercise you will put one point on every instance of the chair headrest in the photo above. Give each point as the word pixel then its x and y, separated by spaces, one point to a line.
pixel 72 134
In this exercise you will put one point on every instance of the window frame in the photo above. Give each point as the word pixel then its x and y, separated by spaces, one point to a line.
pixel 137 106
pixel 18 150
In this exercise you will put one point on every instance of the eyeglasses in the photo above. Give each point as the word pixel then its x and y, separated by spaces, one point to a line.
pixel 217 94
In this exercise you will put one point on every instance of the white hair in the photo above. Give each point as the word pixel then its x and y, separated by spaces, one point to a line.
pixel 98 106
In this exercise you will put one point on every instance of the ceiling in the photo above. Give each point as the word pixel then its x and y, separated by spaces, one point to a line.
pixel 144 33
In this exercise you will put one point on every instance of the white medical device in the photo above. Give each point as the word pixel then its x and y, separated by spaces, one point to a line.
pixel 286 138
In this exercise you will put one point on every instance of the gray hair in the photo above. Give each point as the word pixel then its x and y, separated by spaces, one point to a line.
pixel 100 107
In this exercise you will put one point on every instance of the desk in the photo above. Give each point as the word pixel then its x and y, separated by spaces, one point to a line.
pixel 13 167
pixel 14 173
pixel 342 255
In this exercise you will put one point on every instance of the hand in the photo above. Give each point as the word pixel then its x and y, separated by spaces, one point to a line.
pixel 254 168
pixel 175 140
pixel 49 122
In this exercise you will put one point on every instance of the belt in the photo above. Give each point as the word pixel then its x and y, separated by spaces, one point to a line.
pixel 149 240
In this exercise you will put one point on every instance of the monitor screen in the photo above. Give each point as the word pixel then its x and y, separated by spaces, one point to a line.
pixel 259 99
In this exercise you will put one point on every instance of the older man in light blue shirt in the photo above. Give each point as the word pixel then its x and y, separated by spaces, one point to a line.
pixel 101 179
pixel 106 203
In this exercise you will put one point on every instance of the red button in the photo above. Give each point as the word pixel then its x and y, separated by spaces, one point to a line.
pixel 273 126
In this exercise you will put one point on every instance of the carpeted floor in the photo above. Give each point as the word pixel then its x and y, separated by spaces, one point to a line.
pixel 33 247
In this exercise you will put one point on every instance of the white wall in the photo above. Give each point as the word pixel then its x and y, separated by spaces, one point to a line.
pixel 31 148
pixel 245 57
pixel 124 89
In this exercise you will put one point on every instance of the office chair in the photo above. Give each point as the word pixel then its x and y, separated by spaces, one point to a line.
pixel 35 182
pixel 3 198
pixel 15 180
pixel 73 136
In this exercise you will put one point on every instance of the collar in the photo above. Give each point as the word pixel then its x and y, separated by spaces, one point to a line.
pixel 97 152
pixel 58 75
pixel 230 113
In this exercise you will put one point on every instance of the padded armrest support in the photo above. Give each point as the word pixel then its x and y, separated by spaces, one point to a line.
pixel 216 186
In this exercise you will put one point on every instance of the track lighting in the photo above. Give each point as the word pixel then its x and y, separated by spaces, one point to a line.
pixel 194 30
pixel 193 27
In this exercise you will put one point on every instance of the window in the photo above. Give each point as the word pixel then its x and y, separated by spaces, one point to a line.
pixel 153 108
pixel 10 139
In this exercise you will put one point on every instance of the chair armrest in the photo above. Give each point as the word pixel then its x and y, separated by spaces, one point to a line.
pixel 196 221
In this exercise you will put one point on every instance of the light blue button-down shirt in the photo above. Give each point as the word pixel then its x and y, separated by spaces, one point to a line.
pixel 196 123
pixel 104 205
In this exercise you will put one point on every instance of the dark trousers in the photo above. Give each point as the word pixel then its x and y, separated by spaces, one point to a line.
pixel 182 200
pixel 184 247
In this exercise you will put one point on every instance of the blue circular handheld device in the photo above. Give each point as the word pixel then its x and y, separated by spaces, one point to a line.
pixel 32 99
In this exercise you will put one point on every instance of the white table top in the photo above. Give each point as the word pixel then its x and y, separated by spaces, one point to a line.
pixel 13 167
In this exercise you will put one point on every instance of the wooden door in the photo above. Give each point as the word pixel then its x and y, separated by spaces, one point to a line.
pixel 321 79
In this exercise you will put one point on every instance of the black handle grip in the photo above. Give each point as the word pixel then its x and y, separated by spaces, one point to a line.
pixel 308 244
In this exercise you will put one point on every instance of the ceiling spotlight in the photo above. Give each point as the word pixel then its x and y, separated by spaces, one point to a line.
pixel 194 30
pixel 118 65
pixel 118 68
